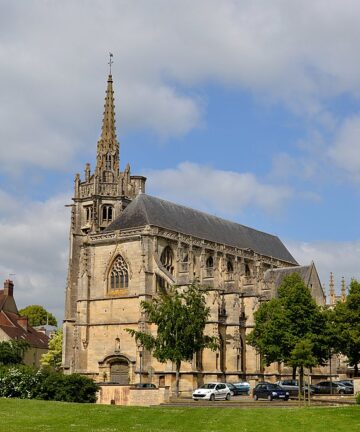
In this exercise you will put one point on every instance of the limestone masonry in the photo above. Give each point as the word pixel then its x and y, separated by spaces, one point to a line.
pixel 126 246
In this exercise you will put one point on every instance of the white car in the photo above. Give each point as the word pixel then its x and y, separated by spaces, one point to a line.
pixel 212 391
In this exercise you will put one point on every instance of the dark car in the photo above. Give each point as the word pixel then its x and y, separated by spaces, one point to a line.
pixel 235 391
pixel 328 387
pixel 269 391
pixel 292 386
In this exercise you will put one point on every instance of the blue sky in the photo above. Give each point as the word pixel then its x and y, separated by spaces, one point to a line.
pixel 249 110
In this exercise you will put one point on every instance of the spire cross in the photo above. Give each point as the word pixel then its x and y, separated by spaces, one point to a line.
pixel 110 61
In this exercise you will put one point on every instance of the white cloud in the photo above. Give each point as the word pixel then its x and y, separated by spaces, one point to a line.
pixel 299 53
pixel 216 190
pixel 345 151
pixel 341 258
pixel 33 246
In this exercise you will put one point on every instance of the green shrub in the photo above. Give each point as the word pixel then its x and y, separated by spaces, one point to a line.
pixel 357 398
pixel 28 383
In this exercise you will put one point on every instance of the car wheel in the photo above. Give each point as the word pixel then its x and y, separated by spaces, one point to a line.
pixel 286 399
pixel 228 396
pixel 256 397
pixel 270 398
pixel 212 397
pixel 341 392
pixel 196 399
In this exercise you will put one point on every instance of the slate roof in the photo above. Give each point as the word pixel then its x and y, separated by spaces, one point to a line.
pixel 148 210
pixel 278 275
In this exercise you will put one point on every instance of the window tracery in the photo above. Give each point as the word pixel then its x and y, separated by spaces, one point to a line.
pixel 119 274
pixel 167 259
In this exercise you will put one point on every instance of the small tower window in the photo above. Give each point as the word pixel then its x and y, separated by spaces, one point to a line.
pixel 229 266
pixel 119 275
pixel 107 213
pixel 108 161
pixel 89 213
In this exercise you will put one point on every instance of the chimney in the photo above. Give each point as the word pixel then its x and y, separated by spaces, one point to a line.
pixel 8 287
pixel 23 321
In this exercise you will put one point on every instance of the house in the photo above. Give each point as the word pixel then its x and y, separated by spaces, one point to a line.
pixel 16 327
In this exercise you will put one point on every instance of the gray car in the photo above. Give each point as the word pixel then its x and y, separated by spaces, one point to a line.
pixel 292 386
pixel 327 387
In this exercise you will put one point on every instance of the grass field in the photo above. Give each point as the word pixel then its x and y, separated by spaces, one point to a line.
pixel 28 415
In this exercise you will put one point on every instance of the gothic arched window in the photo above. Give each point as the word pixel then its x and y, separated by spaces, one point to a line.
pixel 119 275
pixel 210 262
pixel 167 258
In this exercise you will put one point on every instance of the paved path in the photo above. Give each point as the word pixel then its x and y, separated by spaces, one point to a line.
pixel 248 402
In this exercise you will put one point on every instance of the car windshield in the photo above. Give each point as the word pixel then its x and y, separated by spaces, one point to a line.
pixel 273 387
pixel 208 386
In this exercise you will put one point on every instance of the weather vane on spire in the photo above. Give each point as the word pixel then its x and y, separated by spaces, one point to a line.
pixel 110 61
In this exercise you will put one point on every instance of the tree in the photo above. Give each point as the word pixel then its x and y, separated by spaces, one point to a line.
pixel 53 357
pixel 38 315
pixel 347 321
pixel 180 318
pixel 302 356
pixel 12 352
pixel 287 320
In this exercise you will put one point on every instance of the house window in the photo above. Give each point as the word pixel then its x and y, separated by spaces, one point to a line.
pixel 119 275
pixel 107 213
pixel 167 258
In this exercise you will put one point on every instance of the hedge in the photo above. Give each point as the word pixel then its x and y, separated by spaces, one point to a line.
pixel 28 383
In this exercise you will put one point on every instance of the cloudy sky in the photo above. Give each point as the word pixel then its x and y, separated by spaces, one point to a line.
pixel 246 109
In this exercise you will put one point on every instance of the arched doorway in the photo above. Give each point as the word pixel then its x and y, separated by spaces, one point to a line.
pixel 119 371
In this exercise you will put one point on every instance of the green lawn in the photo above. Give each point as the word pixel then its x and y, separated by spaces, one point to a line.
pixel 40 416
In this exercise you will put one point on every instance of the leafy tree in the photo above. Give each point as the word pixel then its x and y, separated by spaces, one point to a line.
pixel 347 320
pixel 180 318
pixel 53 357
pixel 12 352
pixel 38 315
pixel 302 356
pixel 287 320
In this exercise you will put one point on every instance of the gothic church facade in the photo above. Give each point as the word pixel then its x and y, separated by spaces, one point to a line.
pixel 127 246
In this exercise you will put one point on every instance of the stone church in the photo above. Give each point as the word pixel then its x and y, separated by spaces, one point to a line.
pixel 127 246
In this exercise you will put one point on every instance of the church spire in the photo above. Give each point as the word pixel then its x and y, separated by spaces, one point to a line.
pixel 108 146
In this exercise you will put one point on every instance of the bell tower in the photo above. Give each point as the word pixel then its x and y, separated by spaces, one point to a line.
pixel 99 198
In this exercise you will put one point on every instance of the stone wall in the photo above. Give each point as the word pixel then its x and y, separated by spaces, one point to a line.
pixel 127 395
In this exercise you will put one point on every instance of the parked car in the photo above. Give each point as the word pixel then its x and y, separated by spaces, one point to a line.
pixel 328 387
pixel 144 385
pixel 235 391
pixel 292 386
pixel 243 386
pixel 269 391
pixel 212 391
pixel 347 383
